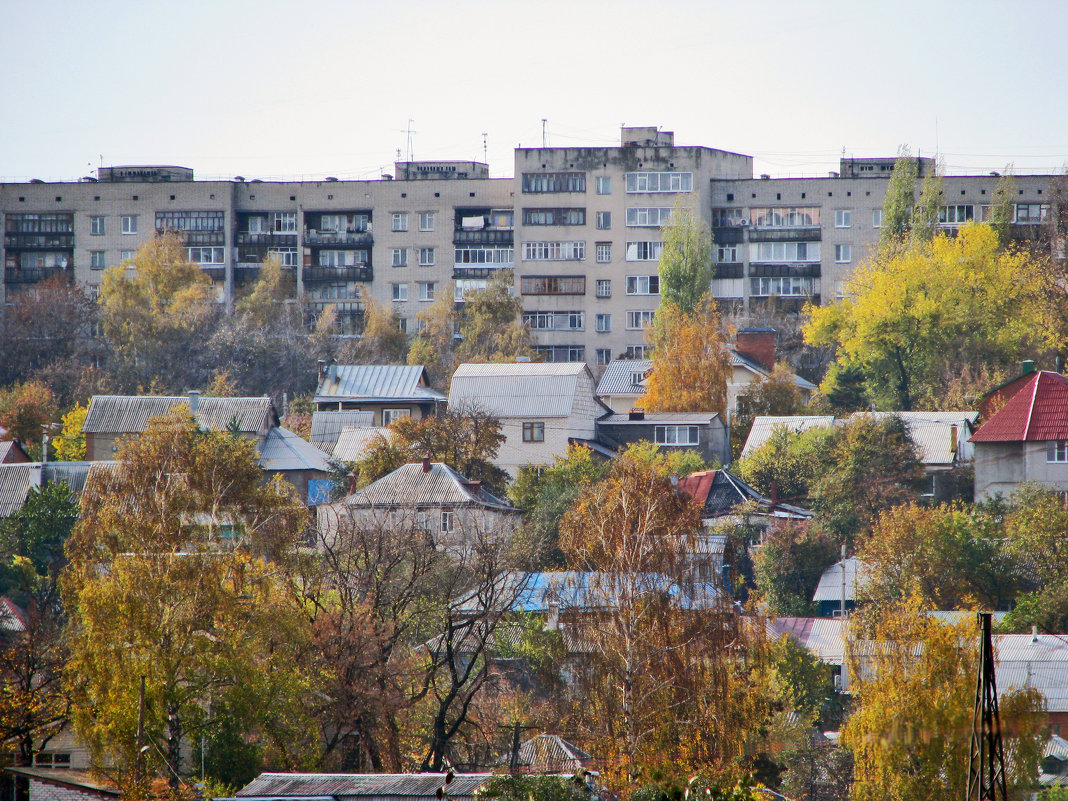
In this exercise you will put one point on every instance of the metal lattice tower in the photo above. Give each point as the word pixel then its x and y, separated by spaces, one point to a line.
pixel 986 762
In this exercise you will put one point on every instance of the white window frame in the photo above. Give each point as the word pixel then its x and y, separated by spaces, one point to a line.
pixel 427 291
pixel 96 260
pixel 643 284
pixel 604 323
pixel 843 218
pixel 393 415
pixel 448 521
pixel 331 223
pixel 257 225
pixel 288 256
pixel 644 251
pixel 635 352
pixel 97 226
pixel 876 218
pixel 639 319
pixel 843 254
pixel 1057 452
pixel 677 436
pixel 648 216
pixel 604 252
pixel 604 220
pixel 603 356
pixel 603 288
pixel 206 254
pixel 400 221
pixel 400 293
pixel 426 220
pixel 554 251
pixel 604 185
pixel 726 254
pixel 126 255
pixel 658 182
pixel 129 224
pixel 399 257
pixel 284 222
pixel 426 257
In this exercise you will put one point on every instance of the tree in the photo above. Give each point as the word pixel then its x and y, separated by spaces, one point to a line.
pixel 491 325
pixel 845 388
pixel 26 410
pixel 691 362
pixel 685 265
pixel 921 313
pixel 899 197
pixel 175 575
pixel 1036 527
pixel 775 394
pixel 520 787
pixel 70 444
pixel 433 347
pixel 1003 209
pixel 382 341
pixel 788 566
pixel 788 464
pixel 925 216
pixel 157 317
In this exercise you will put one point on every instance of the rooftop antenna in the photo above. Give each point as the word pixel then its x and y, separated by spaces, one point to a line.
pixel 410 132
pixel 485 156
pixel 544 141
pixel 398 154
pixel 986 762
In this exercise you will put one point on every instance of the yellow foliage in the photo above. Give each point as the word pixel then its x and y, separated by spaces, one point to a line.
pixel 70 445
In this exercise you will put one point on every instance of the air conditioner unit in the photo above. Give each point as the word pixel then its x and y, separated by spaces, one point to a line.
pixel 744 222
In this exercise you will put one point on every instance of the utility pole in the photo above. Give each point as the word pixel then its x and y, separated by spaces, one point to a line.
pixel 986 761
pixel 140 770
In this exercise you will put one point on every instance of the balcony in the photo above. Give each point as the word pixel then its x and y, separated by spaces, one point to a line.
pixel 265 239
pixel 479 272
pixel 32 275
pixel 805 234
pixel 360 272
pixel 728 271
pixel 483 237
pixel 811 270
pixel 38 241
pixel 728 236
pixel 342 308
pixel 351 239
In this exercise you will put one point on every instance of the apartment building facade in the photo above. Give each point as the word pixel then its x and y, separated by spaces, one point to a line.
pixel 581 229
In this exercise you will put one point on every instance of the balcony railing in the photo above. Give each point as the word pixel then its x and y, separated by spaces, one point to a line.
pixel 39 241
pixel 811 270
pixel 31 275
pixel 361 272
pixel 729 271
pixel 265 239
pixel 343 308
pixel 483 237
pixel 806 234
pixel 317 238
pixel 480 272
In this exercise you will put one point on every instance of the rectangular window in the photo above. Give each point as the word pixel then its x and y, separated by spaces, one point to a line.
pixel 554 216
pixel 399 257
pixel 96 226
pixel 426 257
pixel 604 185
pixel 96 260
pixel 393 415
pixel 129 223
pixel 213 222
pixel 125 255
pixel 553 285
pixel 648 217
pixel 207 255
pixel 330 222
pixel 494 257
pixel 639 320
pixel 462 287
pixel 257 225
pixel 677 435
pixel 604 323
pixel 604 287
pixel 284 222
pixel 635 352
pixel 448 521
pixel 426 221
pixel 843 218
pixel 426 290
pixel 1057 451
pixel 643 284
pixel 876 218
pixel 787 217
pixel 554 251
pixel 726 254
pixel 604 220
pixel 551 182
pixel 784 251
pixel 561 353
pixel 288 256
pixel 555 321
pixel 533 432
pixel 729 218
pixel 400 221
pixel 956 214
pixel 659 182
pixel 644 251
pixel 843 254
pixel 604 252
pixel 400 292
pixel 604 356
pixel 342 258
pixel 782 287
pixel 1026 213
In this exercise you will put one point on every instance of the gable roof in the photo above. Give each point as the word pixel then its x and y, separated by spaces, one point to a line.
pixel 284 451
pixel 519 389
pixel 358 785
pixel 412 486
pixel 548 753
pixel 719 492
pixel 352 443
pixel 129 414
pixel 16 480
pixel 12 616
pixel 618 378
pixel 1037 412
pixel 764 426
pixel 12 452
pixel 371 382
pixel 830 586
pixel 326 427
pixel 738 360
pixel 822 636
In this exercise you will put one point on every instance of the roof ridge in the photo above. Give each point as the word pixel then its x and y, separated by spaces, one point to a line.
pixel 1031 405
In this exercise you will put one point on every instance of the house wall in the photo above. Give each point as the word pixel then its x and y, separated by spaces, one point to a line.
pixel 469 522
pixel 417 410
pixel 714 444
pixel 1001 467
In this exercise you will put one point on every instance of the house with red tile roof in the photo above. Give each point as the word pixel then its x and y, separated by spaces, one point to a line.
pixel 1026 440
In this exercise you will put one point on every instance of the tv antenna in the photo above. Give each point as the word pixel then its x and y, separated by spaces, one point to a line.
pixel 410 132
pixel 986 761
pixel 544 139
pixel 485 152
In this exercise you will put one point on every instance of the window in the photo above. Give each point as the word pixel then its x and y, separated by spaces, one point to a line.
pixel 876 218
pixel 448 521
pixel 549 182
pixel 207 255
pixel 554 216
pixel 426 257
pixel 554 251
pixel 393 415
pixel 555 321
pixel 1026 213
pixel 125 255
pixel 400 292
pixel 843 218
pixel 257 225
pixel 604 288
pixel 604 356
pixel 464 286
pixel 553 285
pixel 504 257
pixel 288 256
pixel 604 323
pixel 784 251
pixel 677 435
pixel 342 258
pixel 96 226
pixel 654 217
pixel 787 217
pixel 643 284
pixel 726 254
pixel 189 221
pixel 635 352
pixel 604 252
pixel 129 223
pixel 284 222
pixel 400 257
pixel 330 222
pixel 766 287
pixel 533 432
pixel 644 251
pixel 561 353
pixel 639 320
pixel 604 220
pixel 96 260
pixel 426 290
pixel 402 325
pixel 400 221
pixel 659 182
pixel 1057 451
pixel 604 185
pixel 843 254
pixel 426 221
pixel 955 215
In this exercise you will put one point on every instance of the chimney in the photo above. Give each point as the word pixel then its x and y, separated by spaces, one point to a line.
pixel 1034 634
pixel 426 464
pixel 637 413
pixel 774 493
pixel 194 400
pixel 321 364
pixel 1027 367
pixel 757 345
pixel 475 486
pixel 552 619
pixel 352 483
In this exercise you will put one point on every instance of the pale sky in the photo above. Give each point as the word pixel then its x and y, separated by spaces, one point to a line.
pixel 272 89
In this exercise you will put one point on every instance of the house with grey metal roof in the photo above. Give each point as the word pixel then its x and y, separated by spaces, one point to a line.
pixel 542 407
pixel 702 432
pixel 623 383
pixel 834 589
pixel 16 480
pixel 390 391
pixel 371 786
pixel 299 462
pixel 765 425
pixel 353 443
pixel 326 427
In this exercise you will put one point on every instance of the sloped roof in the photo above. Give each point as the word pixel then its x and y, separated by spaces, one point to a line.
pixel 619 374
pixel 410 486
pixel 764 426
pixel 1039 661
pixel 129 414
pixel 692 418
pixel 326 427
pixel 352 443
pixel 12 616
pixel 518 389
pixel 284 451
pixel 370 382
pixel 596 589
pixel 1037 412
pixel 11 452
pixel 719 492
pixel 338 785
pixel 822 636
pixel 738 360
pixel 16 480
pixel 830 586
pixel 548 753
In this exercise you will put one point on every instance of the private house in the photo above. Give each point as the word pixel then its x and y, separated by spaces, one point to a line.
pixel 353 443
pixel 359 786
pixel 326 427
pixel 724 497
pixel 703 432
pixel 16 480
pixel 549 753
pixel 542 407
pixel 429 499
pixel 12 452
pixel 623 383
pixel 764 426
pixel 1026 440
pixel 388 391
pixel 838 586
pixel 300 463
pixel 59 783
pixel 752 358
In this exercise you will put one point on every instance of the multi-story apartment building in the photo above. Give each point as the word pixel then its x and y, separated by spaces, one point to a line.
pixel 581 228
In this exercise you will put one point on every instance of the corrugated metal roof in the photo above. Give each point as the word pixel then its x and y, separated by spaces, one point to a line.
pixel 524 389
pixel 548 753
pixel 719 492
pixel 820 635
pixel 353 442
pixel 15 483
pixel 284 451
pixel 692 418
pixel 830 586
pixel 326 427
pixel 764 426
pixel 129 414
pixel 1038 412
pixel 75 474
pixel 340 785
pixel 12 616
pixel 618 378
pixel 410 487
pixel 375 382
